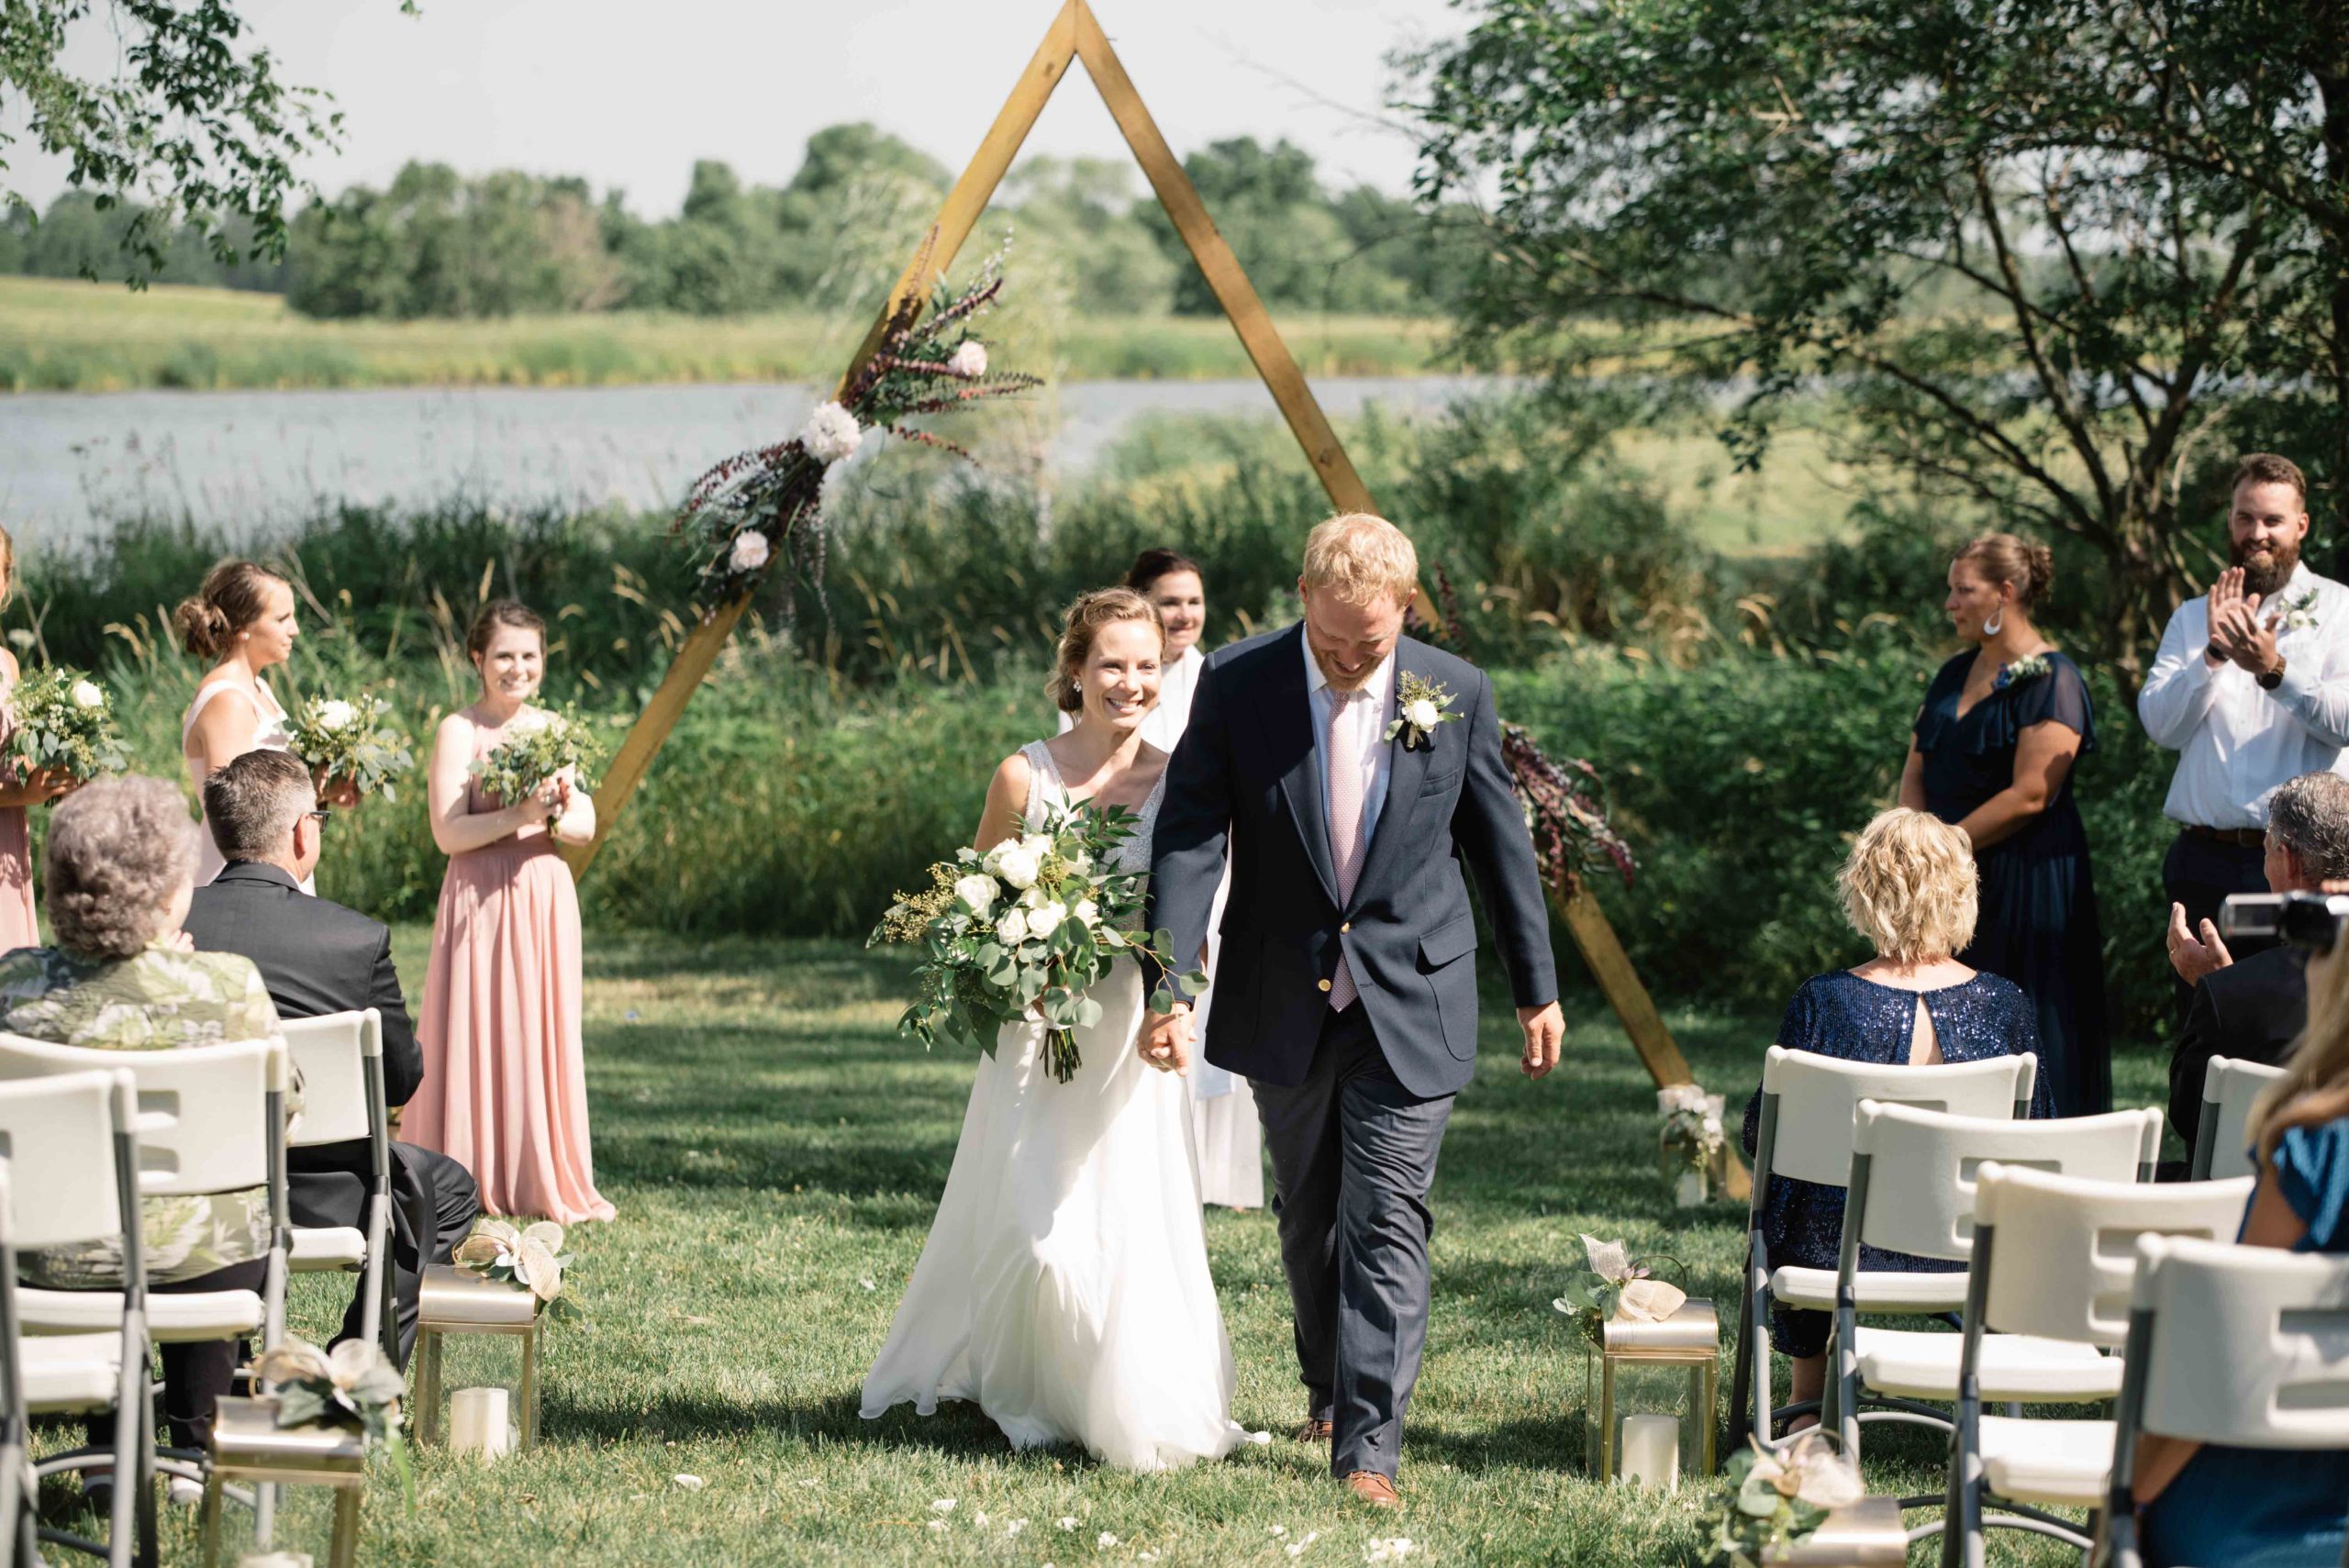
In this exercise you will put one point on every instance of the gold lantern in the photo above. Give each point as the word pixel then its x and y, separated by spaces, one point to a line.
pixel 1649 1389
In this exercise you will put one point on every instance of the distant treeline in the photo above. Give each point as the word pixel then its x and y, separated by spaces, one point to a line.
pixel 437 243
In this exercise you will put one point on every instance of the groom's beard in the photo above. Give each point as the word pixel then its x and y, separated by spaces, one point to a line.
pixel 2265 566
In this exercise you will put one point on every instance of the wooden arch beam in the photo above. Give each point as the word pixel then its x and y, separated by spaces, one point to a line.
pixel 1075 34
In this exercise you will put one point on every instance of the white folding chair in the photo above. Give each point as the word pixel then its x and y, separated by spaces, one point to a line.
pixel 1912 1191
pixel 2229 1086
pixel 72 1141
pixel 2069 1271
pixel 340 1059
pixel 2246 1346
pixel 1809 1105
pixel 211 1119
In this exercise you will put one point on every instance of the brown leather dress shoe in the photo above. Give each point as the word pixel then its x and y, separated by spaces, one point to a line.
pixel 1375 1489
pixel 1314 1431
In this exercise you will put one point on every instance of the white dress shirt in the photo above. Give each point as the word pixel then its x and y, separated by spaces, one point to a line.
pixel 1370 719
pixel 2236 743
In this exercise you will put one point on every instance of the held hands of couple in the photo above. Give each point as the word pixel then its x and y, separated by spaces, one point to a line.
pixel 1165 1039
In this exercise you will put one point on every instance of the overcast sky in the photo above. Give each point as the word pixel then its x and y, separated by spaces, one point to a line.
pixel 630 92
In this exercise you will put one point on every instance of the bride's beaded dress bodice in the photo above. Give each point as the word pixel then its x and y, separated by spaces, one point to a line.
pixel 1049 792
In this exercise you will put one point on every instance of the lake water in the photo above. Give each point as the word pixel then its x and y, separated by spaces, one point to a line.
pixel 253 461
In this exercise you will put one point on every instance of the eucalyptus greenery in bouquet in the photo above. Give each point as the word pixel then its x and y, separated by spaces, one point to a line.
pixel 350 739
pixel 516 766
pixel 353 1387
pixel 530 1258
pixel 1778 1497
pixel 1026 929
pixel 64 721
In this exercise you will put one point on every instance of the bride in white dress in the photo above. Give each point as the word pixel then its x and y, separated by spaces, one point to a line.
pixel 1065 1285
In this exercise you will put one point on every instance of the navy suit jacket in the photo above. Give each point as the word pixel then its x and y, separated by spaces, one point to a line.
pixel 1246 779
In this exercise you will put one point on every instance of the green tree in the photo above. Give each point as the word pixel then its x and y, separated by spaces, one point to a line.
pixel 1271 208
pixel 2049 259
pixel 192 123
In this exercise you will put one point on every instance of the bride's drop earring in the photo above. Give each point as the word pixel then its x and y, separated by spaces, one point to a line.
pixel 1997 623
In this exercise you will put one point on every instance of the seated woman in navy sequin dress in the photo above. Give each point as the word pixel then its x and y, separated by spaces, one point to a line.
pixel 1909 888
pixel 2272 1507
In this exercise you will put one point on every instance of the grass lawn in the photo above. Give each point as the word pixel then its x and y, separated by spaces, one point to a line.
pixel 67 334
pixel 776 1152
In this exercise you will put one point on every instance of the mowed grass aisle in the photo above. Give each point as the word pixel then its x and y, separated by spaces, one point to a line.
pixel 776 1152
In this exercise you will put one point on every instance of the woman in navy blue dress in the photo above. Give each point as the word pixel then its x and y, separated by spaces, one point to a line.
pixel 1992 752
pixel 2272 1507
pixel 1909 887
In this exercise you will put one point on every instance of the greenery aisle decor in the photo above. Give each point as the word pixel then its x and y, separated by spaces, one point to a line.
pixel 530 1259
pixel 354 1387
pixel 755 504
pixel 1774 1500
pixel 1614 1286
pixel 1692 1143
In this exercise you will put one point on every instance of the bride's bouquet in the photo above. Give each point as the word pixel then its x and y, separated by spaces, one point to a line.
pixel 1026 929
pixel 64 721
pixel 350 739
pixel 516 767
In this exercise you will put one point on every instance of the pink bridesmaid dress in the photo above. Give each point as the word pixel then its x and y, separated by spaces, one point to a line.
pixel 19 927
pixel 504 1089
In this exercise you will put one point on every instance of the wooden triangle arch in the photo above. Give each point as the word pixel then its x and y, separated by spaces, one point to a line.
pixel 1076 35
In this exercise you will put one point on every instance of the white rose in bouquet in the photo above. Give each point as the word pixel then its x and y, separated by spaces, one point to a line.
pixel 1422 714
pixel 1086 912
pixel 831 433
pixel 88 693
pixel 969 360
pixel 1039 845
pixel 1017 864
pixel 1712 1128
pixel 976 892
pixel 1012 929
pixel 749 552
pixel 1044 921
pixel 337 713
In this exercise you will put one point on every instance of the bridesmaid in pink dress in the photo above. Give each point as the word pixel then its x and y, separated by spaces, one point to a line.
pixel 505 1086
pixel 241 623
pixel 20 926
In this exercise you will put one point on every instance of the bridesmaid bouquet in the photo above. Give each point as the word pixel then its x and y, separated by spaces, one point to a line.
pixel 350 739
pixel 1026 929
pixel 515 768
pixel 65 721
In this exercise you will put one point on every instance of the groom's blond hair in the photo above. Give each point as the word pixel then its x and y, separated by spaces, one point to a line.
pixel 1361 558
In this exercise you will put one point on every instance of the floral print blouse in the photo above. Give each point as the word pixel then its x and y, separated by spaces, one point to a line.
pixel 158 999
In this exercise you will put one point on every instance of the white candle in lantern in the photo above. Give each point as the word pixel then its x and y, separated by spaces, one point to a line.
pixel 274 1559
pixel 1651 1450
pixel 1689 1192
pixel 477 1422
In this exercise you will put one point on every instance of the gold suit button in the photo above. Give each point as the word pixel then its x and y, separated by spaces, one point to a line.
pixel 1325 985
pixel 1347 927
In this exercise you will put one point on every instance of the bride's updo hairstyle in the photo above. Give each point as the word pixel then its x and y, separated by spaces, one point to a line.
pixel 1103 606
pixel 498 613
pixel 234 595
pixel 2003 558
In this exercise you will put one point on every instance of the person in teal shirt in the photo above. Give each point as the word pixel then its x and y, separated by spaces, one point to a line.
pixel 2272 1507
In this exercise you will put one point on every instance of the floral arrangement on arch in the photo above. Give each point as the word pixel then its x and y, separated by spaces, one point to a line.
pixel 766 502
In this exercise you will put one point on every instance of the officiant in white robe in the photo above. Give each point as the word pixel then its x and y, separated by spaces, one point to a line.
pixel 1223 1112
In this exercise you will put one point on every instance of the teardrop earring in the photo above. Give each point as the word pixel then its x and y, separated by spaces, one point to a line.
pixel 1997 623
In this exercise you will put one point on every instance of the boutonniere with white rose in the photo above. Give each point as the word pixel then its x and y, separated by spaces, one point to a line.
pixel 2298 612
pixel 1419 706
pixel 349 740
pixel 64 722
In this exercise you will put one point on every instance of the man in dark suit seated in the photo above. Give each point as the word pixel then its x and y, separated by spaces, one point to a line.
pixel 317 958
pixel 2254 1010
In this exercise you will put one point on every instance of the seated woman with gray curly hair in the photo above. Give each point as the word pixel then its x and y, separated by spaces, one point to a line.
pixel 1909 887
pixel 118 872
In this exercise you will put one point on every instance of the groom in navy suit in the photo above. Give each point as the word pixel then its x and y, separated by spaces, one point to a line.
pixel 1346 990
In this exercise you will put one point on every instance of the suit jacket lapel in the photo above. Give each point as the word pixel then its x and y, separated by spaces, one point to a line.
pixel 1406 769
pixel 1287 713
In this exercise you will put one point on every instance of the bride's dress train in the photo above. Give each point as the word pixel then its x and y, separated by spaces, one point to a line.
pixel 1065 1286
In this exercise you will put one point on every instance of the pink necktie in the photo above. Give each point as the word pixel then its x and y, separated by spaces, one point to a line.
pixel 1345 822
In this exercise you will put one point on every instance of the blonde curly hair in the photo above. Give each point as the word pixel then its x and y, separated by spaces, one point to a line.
pixel 1909 886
